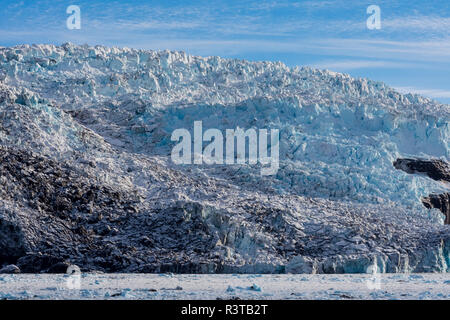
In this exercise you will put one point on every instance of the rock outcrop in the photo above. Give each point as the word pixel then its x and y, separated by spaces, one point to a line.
pixel 441 202
pixel 435 169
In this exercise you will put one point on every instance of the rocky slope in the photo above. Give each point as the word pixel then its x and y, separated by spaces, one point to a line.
pixel 86 176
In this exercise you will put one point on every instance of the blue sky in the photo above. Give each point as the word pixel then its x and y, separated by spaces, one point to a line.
pixel 410 52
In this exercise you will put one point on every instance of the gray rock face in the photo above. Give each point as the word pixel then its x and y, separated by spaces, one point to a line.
pixel 12 242
pixel 435 169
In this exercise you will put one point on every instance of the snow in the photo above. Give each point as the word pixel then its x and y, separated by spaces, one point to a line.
pixel 199 287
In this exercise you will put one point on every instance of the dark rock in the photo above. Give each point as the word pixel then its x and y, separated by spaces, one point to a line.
pixel 10 269
pixel 103 229
pixel 146 241
pixel 35 263
pixel 60 267
pixel 435 169
pixel 12 242
pixel 148 268
pixel 58 189
pixel 439 201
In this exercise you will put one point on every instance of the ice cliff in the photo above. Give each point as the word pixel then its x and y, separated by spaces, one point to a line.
pixel 85 134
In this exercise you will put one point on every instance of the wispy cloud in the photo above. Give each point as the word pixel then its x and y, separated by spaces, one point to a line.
pixel 361 64
pixel 435 50
pixel 432 93
pixel 437 25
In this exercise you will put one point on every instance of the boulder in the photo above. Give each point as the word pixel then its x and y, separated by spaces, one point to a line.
pixel 10 269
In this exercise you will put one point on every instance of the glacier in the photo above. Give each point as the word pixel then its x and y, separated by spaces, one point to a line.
pixel 108 114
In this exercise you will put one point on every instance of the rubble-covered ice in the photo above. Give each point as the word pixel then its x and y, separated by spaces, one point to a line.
pixel 87 176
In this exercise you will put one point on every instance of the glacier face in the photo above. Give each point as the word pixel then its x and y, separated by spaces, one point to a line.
pixel 339 136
